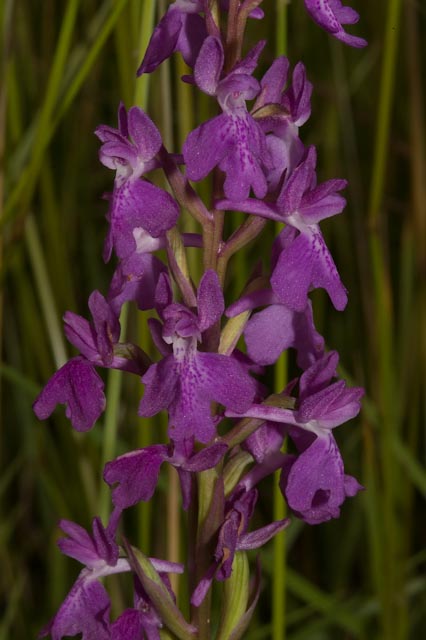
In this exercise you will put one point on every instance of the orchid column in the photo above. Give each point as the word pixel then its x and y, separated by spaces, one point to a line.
pixel 225 427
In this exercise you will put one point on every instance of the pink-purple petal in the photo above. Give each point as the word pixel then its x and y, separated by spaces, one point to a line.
pixel 85 610
pixel 78 386
pixel 209 64
pixel 144 133
pixel 135 475
pixel 210 300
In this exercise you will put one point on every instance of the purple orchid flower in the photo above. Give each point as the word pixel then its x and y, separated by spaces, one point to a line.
pixel 276 328
pixel 233 141
pixel 281 112
pixel 98 341
pixel 314 482
pixel 233 536
pixel 134 203
pixel 79 387
pixel 180 29
pixel 86 608
pixel 136 473
pixel 77 384
pixel 304 261
pixel 186 381
pixel 96 550
pixel 331 15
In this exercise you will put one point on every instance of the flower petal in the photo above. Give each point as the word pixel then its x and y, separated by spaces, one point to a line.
pixel 78 386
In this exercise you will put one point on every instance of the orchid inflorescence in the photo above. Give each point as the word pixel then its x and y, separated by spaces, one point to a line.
pixel 223 421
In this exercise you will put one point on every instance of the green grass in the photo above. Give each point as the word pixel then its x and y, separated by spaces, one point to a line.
pixel 64 68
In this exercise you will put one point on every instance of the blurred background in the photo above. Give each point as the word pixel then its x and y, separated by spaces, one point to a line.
pixel 65 65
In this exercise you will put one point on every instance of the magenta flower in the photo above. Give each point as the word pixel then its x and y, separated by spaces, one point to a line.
pixel 86 608
pixel 304 261
pixel 187 381
pixel 180 29
pixel 135 474
pixel 98 341
pixel 233 141
pixel 281 111
pixel 314 482
pixel 331 15
pixel 134 203
pixel 78 386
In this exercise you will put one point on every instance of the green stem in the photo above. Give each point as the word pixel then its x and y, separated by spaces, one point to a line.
pixel 279 576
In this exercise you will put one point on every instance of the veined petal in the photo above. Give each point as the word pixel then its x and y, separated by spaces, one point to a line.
pixel 330 15
pixel 261 536
pixel 226 381
pixel 160 382
pixel 272 330
pixel 135 278
pixel 135 475
pixel 78 386
pixel 79 333
pixel 144 133
pixel 138 203
pixel 306 262
pixel 85 610
pixel 205 147
pixel 210 300
pixel 298 183
pixel 163 41
pixel 292 275
pixel 209 64
pixel 314 483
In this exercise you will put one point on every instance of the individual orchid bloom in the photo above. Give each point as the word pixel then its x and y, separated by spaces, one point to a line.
pixel 180 29
pixel 233 536
pixel 135 474
pixel 281 111
pixel 79 387
pixel 331 15
pixel 322 404
pixel 98 341
pixel 134 203
pixel 314 482
pixel 304 261
pixel 86 608
pixel 186 381
pixel 276 328
pixel 233 141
